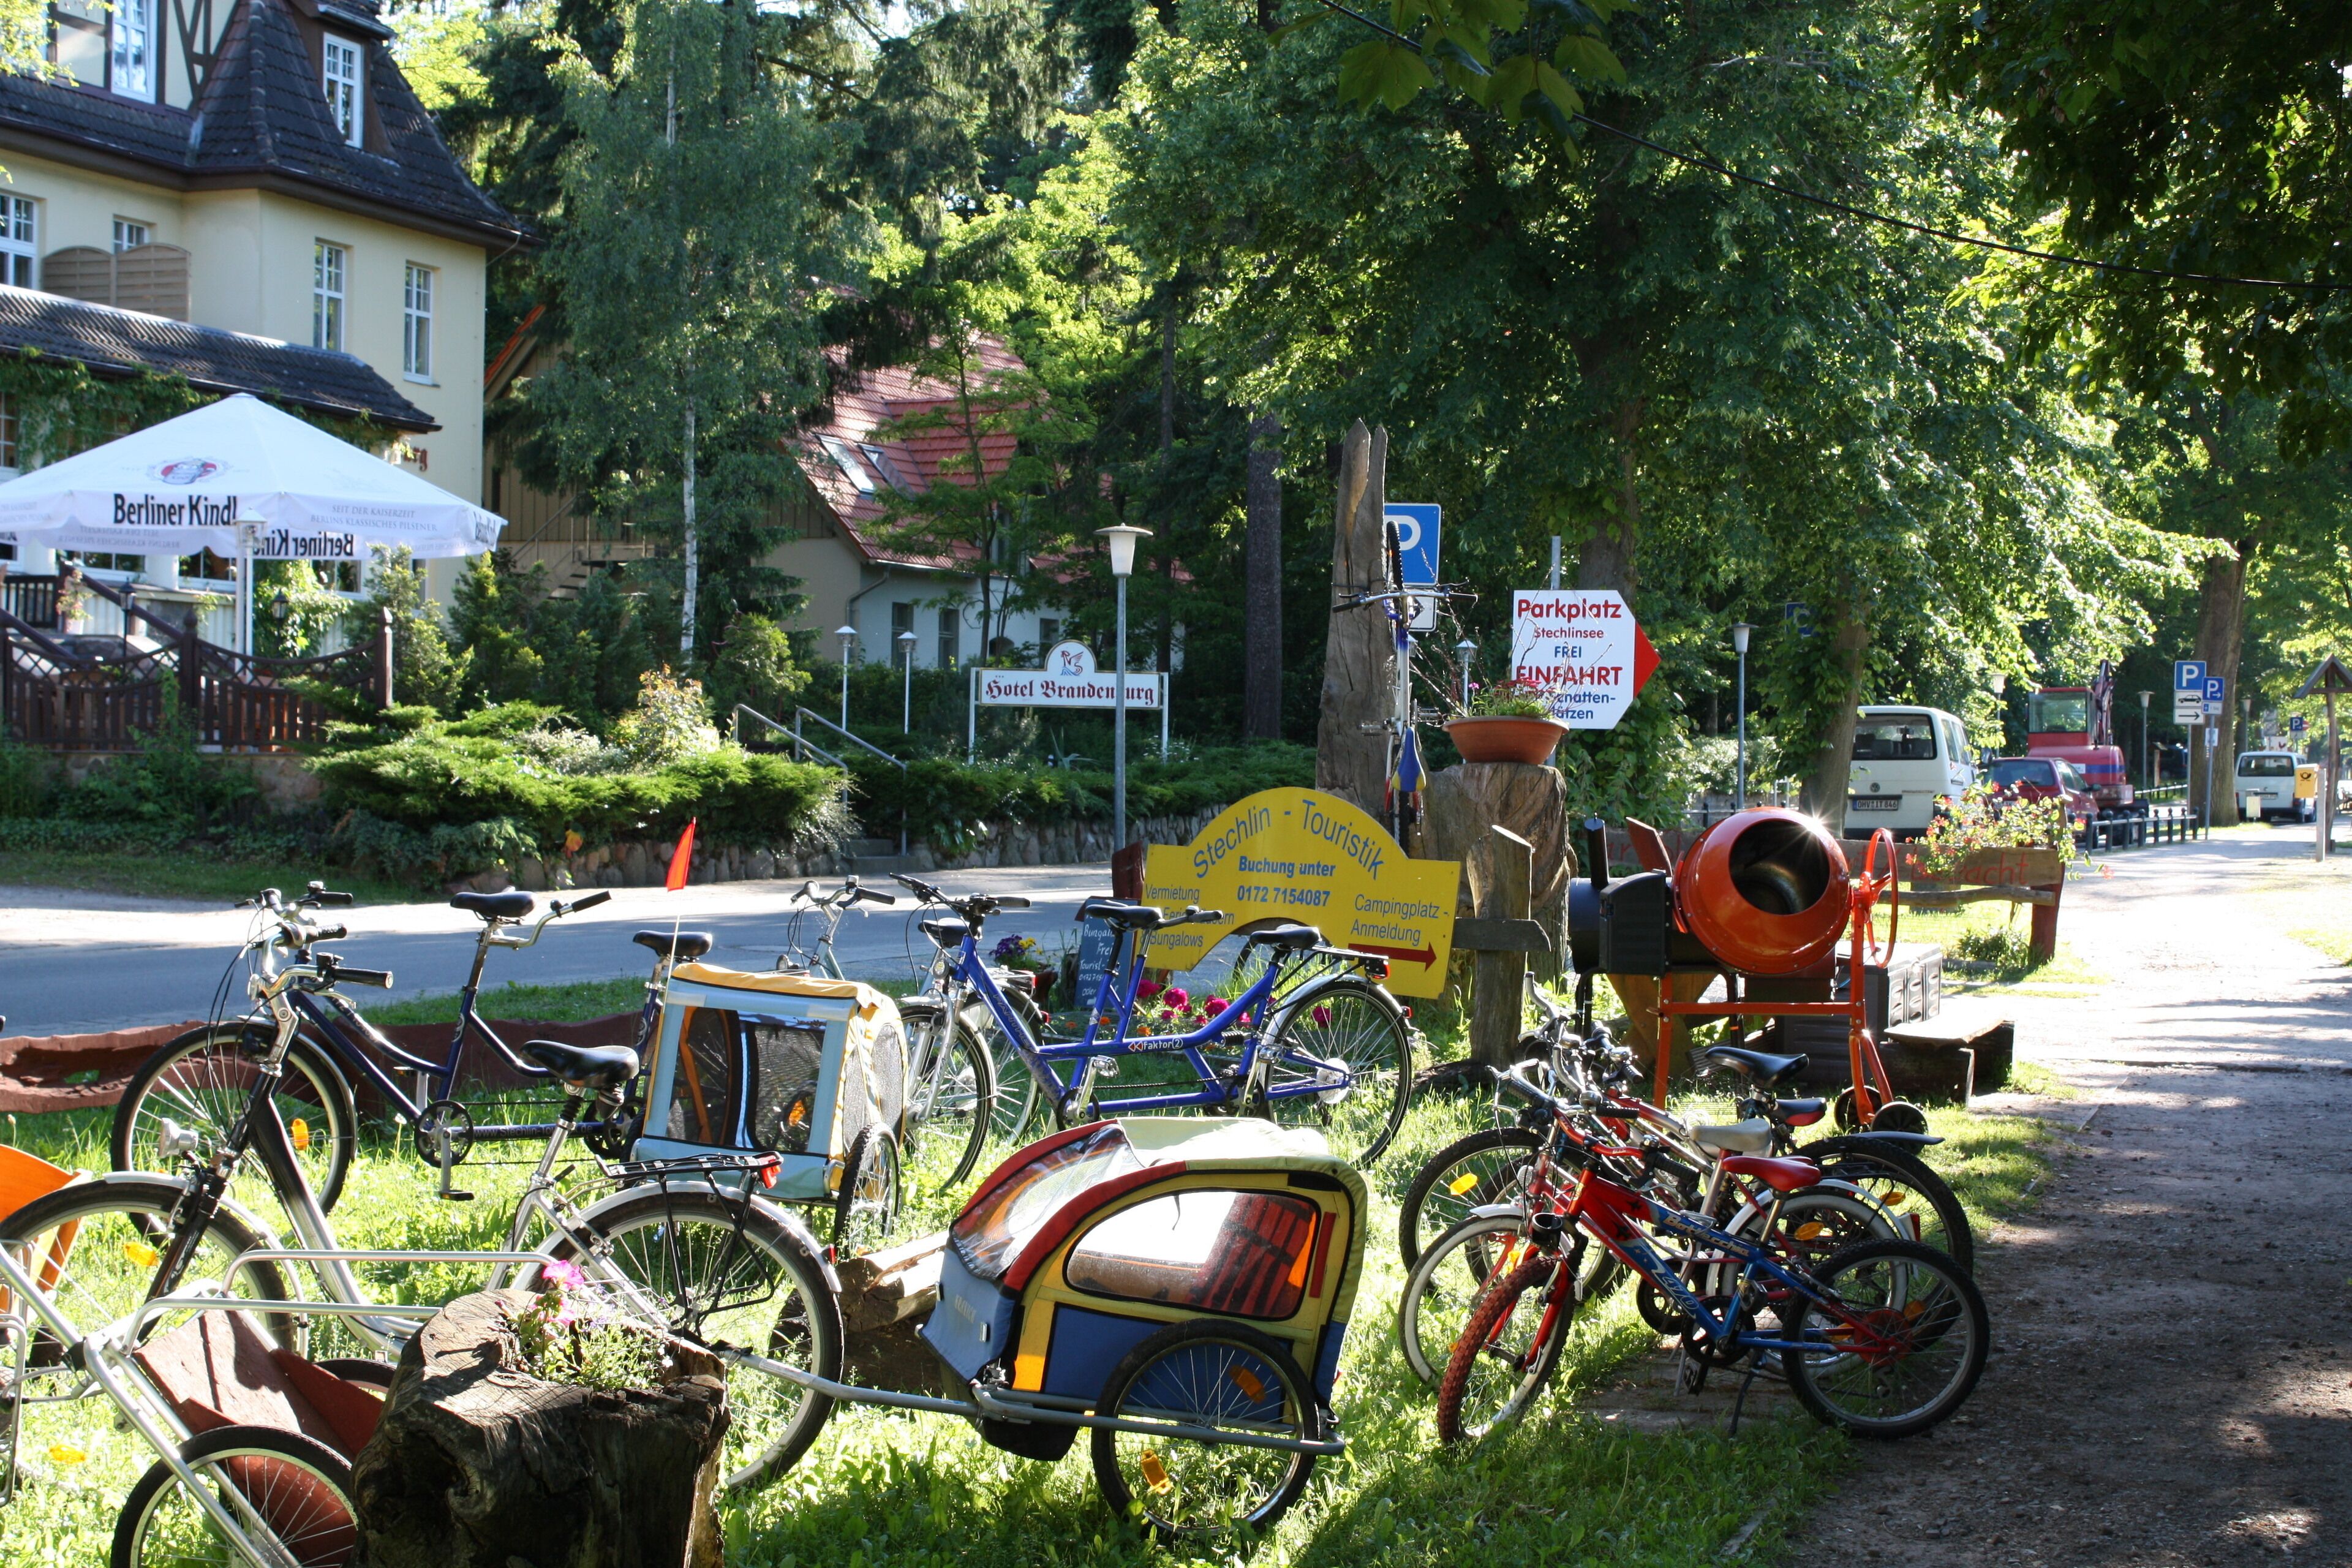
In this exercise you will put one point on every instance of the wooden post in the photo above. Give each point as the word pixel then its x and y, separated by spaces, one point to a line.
pixel 1359 650
pixel 1497 992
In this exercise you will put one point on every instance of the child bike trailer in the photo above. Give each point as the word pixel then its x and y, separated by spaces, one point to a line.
pixel 806 1067
pixel 1188 1275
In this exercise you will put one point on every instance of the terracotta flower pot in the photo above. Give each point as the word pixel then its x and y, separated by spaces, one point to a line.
pixel 1501 739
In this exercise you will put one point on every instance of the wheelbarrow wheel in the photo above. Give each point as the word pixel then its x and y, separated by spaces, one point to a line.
pixel 291 1496
pixel 1221 1375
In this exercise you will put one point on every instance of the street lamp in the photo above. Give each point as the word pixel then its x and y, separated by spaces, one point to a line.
pixel 848 636
pixel 1464 652
pixel 1122 537
pixel 1740 632
pixel 907 709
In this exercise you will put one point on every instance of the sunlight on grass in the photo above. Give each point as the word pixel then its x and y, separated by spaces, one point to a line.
pixel 182 875
pixel 574 1003
pixel 2335 941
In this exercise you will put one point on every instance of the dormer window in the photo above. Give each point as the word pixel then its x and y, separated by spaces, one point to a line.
pixel 106 45
pixel 132 70
pixel 342 79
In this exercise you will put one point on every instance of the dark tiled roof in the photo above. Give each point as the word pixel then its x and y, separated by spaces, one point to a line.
pixel 122 342
pixel 262 112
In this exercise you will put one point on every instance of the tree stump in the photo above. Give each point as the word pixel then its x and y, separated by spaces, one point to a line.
pixel 1497 991
pixel 885 1297
pixel 1466 799
pixel 477 1464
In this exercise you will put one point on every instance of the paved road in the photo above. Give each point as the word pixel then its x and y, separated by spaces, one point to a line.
pixel 2172 1378
pixel 72 962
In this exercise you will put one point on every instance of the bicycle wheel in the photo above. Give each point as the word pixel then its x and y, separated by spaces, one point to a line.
pixel 867 1205
pixel 97 1245
pixel 1020 1097
pixel 1807 1226
pixel 1901 1335
pixel 1341 1062
pixel 199 1083
pixel 950 1099
pixel 1446 1282
pixel 1905 1187
pixel 724 1274
pixel 1508 1347
pixel 291 1495
pixel 1212 1373
pixel 1486 1168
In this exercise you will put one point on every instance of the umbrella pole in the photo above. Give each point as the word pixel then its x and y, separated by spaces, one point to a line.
pixel 246 527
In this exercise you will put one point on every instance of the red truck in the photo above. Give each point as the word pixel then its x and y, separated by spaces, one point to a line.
pixel 2077 724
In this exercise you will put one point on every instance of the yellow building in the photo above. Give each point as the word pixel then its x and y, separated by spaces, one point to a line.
pixel 248 194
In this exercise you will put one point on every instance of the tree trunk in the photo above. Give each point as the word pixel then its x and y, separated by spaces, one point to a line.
pixel 1468 798
pixel 1606 559
pixel 2220 632
pixel 693 551
pixel 1829 770
pixel 1262 587
pixel 477 1464
pixel 1360 653
pixel 1499 985
pixel 1166 553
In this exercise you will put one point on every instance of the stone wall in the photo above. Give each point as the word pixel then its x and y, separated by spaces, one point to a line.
pixel 644 863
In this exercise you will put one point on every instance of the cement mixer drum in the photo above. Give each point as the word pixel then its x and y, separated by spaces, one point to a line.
pixel 1765 890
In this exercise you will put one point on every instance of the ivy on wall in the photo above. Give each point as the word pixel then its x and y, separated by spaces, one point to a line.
pixel 63 407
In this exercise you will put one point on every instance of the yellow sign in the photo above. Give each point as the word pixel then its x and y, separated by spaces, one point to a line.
pixel 1299 855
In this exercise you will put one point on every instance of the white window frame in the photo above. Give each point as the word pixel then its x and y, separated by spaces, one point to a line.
pixel 20 233
pixel 417 324
pixel 331 269
pixel 341 73
pixel 125 228
pixel 131 49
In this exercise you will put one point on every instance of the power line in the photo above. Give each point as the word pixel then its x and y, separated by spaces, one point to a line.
pixel 1714 166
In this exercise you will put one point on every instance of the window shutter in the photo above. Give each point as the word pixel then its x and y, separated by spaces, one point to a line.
pixel 153 278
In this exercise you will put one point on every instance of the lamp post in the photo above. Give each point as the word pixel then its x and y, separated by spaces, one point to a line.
pixel 2146 779
pixel 848 636
pixel 906 703
pixel 1122 537
pixel 1740 631
pixel 1464 652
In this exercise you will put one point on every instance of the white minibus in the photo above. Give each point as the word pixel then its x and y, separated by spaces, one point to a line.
pixel 1905 760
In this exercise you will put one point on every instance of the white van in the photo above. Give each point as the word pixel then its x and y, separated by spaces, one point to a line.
pixel 2264 783
pixel 1905 759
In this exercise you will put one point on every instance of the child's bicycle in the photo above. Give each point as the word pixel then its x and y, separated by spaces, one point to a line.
pixel 1322 1043
pixel 1883 1338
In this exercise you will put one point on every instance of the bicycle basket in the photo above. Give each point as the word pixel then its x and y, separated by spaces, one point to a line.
pixel 793 1063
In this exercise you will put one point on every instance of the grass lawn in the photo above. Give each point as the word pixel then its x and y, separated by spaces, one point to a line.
pixel 567 1004
pixel 887 1489
pixel 182 877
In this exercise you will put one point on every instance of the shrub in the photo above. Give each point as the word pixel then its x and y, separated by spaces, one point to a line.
pixel 24 779
pixel 167 784
pixel 670 724
pixel 755 666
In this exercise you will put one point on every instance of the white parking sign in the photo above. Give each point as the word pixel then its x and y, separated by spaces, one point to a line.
pixel 1584 647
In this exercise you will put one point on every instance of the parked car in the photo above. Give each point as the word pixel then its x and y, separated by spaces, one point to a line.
pixel 1904 760
pixel 2046 778
pixel 2264 783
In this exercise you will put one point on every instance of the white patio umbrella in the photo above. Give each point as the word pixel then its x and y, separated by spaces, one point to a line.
pixel 239 476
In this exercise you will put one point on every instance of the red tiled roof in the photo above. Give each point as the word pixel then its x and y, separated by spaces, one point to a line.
pixel 867 402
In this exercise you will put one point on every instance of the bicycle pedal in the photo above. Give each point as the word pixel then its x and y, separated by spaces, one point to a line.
pixel 1106 1067
pixel 455 1197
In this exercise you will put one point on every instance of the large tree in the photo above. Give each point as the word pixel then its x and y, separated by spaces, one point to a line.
pixel 694 238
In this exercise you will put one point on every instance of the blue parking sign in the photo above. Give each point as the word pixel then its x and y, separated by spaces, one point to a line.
pixel 2189 675
pixel 1417 524
pixel 2295 724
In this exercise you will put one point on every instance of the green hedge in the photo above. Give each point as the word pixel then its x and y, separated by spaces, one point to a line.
pixel 944 800
pixel 443 775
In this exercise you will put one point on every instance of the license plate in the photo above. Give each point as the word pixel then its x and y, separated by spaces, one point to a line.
pixel 1875 803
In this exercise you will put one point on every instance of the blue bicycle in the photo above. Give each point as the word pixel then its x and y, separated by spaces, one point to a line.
pixel 1309 1038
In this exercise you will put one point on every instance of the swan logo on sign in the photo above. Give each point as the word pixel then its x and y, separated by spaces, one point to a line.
pixel 185 470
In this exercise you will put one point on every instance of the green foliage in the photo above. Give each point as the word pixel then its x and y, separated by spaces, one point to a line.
pixel 436 47
pixel 472 771
pixel 166 785
pixel 426 671
pixel 755 666
pixel 24 778
pixel 945 802
pixel 584 655
pixel 670 724
pixel 1508 699
pixel 312 609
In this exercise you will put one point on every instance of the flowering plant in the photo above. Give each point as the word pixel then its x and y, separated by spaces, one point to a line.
pixel 568 1337
pixel 1512 698
pixel 1017 949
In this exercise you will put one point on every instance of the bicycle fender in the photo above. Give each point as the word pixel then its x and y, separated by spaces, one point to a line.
pixel 1306 996
pixel 1912 1141
pixel 789 1222
pixel 234 1211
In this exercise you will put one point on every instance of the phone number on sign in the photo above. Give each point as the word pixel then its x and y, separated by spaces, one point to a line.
pixel 1310 898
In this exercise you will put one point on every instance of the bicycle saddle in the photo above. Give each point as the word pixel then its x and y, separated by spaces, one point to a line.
pixel 1751 1137
pixel 686 945
pixel 1754 1066
pixel 1118 912
pixel 1290 938
pixel 584 1066
pixel 1783 1175
pixel 495 906
pixel 1803 1113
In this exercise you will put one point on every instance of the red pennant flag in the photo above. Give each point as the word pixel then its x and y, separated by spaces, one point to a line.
pixel 681 859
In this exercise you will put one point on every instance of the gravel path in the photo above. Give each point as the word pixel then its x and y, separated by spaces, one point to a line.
pixel 2171 1380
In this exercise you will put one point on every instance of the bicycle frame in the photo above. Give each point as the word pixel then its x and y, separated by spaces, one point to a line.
pixel 968 970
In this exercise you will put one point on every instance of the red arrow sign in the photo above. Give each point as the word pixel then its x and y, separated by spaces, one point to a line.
pixel 1646 658
pixel 1420 955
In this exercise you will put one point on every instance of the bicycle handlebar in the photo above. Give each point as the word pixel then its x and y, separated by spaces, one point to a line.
pixel 601 895
pixel 331 968
pixel 1194 915
pixel 873 895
